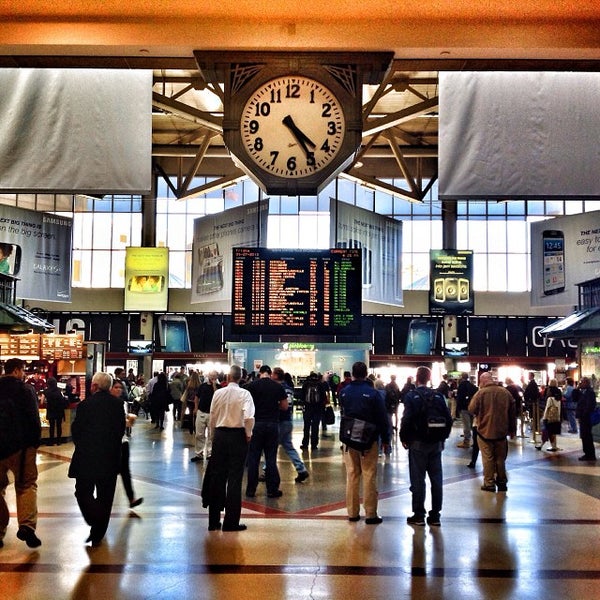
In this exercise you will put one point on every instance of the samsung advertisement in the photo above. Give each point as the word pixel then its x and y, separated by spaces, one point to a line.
pixel 451 282
pixel 565 251
pixel 214 238
pixel 35 248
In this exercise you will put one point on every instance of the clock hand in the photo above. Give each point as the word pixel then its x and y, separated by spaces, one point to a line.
pixel 301 138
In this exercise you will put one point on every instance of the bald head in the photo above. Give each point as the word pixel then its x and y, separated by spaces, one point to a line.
pixel 485 379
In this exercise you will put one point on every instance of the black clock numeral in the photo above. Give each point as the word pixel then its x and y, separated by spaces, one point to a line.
pixel 275 96
pixel 292 90
pixel 310 159
pixel 331 128
pixel 326 147
pixel 262 109
pixel 291 163
pixel 326 110
pixel 274 155
pixel 253 126
pixel 258 144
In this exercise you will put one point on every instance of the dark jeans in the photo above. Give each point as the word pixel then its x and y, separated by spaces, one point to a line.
pixel 312 422
pixel 229 451
pixel 475 448
pixel 125 472
pixel 177 407
pixel 265 438
pixel 96 509
pixel 55 423
pixel 424 458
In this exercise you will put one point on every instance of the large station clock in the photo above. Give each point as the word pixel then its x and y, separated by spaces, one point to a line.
pixel 292 120
pixel 292 126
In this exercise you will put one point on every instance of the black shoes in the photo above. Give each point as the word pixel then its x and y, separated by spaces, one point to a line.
pixel 135 503
pixel 95 542
pixel 275 494
pixel 27 535
pixel 373 520
pixel 416 520
pixel 433 521
pixel 471 465
pixel 488 488
pixel 303 476
pixel 235 528
pixel 197 458
pixel 354 519
pixel 215 527
pixel 590 458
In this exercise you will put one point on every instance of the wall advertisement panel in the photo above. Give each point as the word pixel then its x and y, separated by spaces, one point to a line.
pixel 451 282
pixel 380 239
pixel 565 251
pixel 214 238
pixel 146 277
pixel 36 250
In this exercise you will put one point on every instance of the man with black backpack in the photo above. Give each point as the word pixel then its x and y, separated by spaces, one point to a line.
pixel 20 434
pixel 314 398
pixel 426 423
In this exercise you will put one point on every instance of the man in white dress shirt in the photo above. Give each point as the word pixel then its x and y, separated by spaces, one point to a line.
pixel 231 424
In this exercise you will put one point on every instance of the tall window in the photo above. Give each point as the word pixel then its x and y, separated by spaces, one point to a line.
pixel 497 232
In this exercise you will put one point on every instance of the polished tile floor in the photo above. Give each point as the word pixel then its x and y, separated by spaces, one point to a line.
pixel 540 540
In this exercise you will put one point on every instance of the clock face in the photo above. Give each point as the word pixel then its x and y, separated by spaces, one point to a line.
pixel 292 126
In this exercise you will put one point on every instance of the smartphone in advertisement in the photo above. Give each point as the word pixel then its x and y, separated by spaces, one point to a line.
pixel 210 269
pixel 553 243
pixel 10 258
pixel 421 337
pixel 174 334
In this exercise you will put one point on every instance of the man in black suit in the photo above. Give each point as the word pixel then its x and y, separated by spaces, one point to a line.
pixel 97 432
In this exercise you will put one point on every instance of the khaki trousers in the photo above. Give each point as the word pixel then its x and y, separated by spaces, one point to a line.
pixel 361 465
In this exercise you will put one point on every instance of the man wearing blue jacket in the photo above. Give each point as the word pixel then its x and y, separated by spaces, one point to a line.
pixel 360 400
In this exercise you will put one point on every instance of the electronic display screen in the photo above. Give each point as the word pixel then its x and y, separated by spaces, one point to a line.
pixel 140 346
pixel 297 291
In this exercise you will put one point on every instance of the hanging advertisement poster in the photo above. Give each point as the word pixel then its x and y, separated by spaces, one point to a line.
pixel 565 251
pixel 146 277
pixel 35 249
pixel 380 239
pixel 451 282
pixel 214 238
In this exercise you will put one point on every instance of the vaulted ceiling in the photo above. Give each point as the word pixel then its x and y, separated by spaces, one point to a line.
pixel 400 125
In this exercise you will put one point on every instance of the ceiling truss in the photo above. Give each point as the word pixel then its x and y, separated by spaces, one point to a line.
pixel 399 134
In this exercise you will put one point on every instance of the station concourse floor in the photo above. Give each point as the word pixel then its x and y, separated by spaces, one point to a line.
pixel 539 540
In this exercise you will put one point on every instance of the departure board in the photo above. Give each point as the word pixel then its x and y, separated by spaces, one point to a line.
pixel 297 291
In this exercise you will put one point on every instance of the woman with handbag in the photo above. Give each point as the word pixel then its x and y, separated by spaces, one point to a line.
pixel 551 416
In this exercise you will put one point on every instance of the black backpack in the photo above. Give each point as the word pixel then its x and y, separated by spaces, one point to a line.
pixel 392 397
pixel 312 395
pixel 434 422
